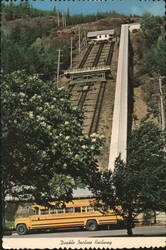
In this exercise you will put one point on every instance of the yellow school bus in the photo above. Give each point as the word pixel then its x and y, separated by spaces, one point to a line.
pixel 77 213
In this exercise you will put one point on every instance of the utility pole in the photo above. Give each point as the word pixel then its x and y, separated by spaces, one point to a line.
pixel 79 40
pixel 58 17
pixel 64 19
pixel 85 37
pixel 58 67
pixel 63 23
pixel 162 103
pixel 71 53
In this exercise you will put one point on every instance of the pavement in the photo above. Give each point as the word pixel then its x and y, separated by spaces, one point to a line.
pixel 143 231
pixel 147 236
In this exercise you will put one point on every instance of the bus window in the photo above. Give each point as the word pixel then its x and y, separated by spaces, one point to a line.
pixel 83 209
pixel 35 209
pixel 77 209
pixel 60 210
pixel 32 211
pixel 105 208
pixel 90 209
pixel 52 211
pixel 44 211
pixel 69 209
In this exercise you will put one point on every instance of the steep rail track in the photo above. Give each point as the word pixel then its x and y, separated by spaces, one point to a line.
pixel 70 88
pixel 97 110
pixel 97 57
pixel 90 96
pixel 85 56
pixel 83 97
pixel 110 54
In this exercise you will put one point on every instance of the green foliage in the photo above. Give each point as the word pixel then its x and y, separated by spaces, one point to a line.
pixel 23 46
pixel 139 184
pixel 25 10
pixel 12 11
pixel 154 56
pixel 8 225
pixel 34 58
pixel 151 27
pixel 79 18
pixel 155 59
pixel 42 140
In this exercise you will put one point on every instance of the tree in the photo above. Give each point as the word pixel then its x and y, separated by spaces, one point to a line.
pixel 139 184
pixel 44 151
pixel 35 57
pixel 153 43
pixel 154 60
pixel 151 28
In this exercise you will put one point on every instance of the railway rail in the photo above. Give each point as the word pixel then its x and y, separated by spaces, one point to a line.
pixel 97 110
pixel 89 93
pixel 83 97
pixel 70 88
pixel 97 57
pixel 85 56
pixel 110 54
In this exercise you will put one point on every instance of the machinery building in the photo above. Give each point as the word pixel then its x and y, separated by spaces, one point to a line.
pixel 134 26
pixel 102 35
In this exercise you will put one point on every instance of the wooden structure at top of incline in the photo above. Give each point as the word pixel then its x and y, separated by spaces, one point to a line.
pixel 101 35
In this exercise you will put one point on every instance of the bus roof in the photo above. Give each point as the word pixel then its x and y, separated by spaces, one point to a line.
pixel 73 203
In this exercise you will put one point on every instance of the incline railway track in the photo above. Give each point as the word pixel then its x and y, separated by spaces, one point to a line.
pixel 96 60
pixel 97 55
pixel 97 110
pixel 70 88
pixel 110 54
pixel 89 95
pixel 83 97
pixel 85 56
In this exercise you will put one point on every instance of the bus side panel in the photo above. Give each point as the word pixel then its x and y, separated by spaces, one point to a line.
pixel 104 218
pixel 57 221
pixel 25 221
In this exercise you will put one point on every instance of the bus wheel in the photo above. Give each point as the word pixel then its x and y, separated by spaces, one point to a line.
pixel 21 229
pixel 91 225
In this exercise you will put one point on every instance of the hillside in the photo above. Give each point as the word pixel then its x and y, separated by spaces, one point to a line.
pixel 31 43
pixel 36 40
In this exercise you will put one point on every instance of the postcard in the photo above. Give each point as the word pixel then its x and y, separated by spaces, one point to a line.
pixel 83 124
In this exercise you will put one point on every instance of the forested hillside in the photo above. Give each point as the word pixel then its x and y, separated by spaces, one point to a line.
pixel 23 29
pixel 44 146
pixel 149 57
pixel 31 38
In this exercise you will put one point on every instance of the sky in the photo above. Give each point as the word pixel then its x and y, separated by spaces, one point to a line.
pixel 127 7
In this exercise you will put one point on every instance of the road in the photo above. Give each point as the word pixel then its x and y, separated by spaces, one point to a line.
pixel 80 239
pixel 138 231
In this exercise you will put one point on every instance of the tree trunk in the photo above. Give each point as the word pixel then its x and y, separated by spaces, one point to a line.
pixel 129 230
pixel 155 221
pixel 129 224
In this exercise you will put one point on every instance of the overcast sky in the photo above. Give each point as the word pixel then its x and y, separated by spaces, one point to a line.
pixel 93 6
